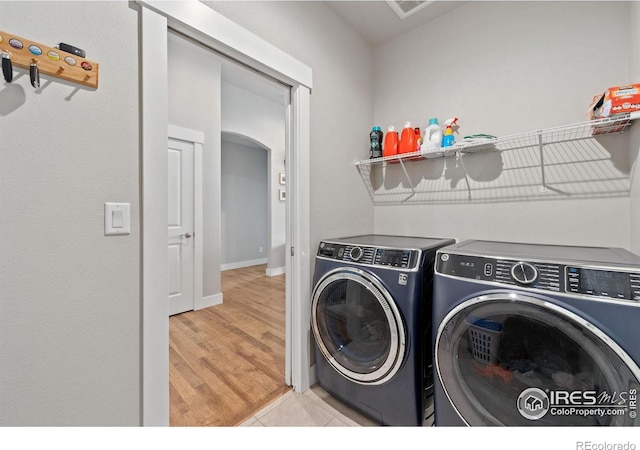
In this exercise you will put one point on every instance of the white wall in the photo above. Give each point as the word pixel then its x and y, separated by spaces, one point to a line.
pixel 504 68
pixel 244 204
pixel 194 102
pixel 262 120
pixel 70 308
pixel 341 104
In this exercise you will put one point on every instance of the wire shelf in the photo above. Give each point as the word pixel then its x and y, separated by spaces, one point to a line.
pixel 564 156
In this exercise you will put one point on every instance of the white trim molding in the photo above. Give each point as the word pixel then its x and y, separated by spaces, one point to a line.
pixel 241 264
pixel 208 301
pixel 300 273
pixel 198 20
pixel 186 134
pixel 155 302
pixel 276 271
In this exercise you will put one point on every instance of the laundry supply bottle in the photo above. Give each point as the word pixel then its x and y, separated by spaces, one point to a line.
pixel 448 139
pixel 390 147
pixel 407 139
pixel 451 125
pixel 375 138
pixel 432 136
pixel 418 138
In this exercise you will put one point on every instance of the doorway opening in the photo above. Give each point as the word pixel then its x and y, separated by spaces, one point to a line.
pixel 218 33
pixel 244 204
pixel 217 352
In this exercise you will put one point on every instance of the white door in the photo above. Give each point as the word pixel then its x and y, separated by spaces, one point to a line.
pixel 181 226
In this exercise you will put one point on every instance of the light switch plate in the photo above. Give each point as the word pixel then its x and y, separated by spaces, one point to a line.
pixel 117 219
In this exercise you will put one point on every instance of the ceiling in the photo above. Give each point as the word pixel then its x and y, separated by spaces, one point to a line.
pixel 377 23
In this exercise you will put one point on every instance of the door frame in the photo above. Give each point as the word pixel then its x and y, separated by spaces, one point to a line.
pixel 197 139
pixel 202 23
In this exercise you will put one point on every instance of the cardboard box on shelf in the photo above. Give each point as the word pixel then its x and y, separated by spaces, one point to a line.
pixel 614 101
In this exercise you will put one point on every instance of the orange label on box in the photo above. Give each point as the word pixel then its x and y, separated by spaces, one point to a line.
pixel 616 100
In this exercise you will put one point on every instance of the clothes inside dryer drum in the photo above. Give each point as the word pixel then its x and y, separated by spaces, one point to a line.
pixel 492 349
pixel 359 330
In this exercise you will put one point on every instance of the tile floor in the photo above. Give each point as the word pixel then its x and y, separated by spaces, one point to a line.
pixel 314 408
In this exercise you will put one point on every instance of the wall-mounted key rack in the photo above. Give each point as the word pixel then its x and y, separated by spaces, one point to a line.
pixel 49 60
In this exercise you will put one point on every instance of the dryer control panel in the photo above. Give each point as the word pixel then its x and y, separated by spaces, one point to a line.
pixel 603 283
pixel 590 281
pixel 406 259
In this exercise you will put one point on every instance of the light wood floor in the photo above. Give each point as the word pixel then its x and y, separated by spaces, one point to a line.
pixel 226 362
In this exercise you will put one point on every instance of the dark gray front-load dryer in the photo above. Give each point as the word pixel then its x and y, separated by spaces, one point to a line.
pixel 536 335
pixel 371 320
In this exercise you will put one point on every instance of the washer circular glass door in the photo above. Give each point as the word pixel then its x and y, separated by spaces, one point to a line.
pixel 510 359
pixel 357 326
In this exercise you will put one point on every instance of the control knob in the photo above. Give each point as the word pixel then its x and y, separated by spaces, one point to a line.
pixel 356 253
pixel 524 273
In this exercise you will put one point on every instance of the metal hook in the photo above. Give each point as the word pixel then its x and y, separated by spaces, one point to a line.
pixel 7 67
pixel 34 74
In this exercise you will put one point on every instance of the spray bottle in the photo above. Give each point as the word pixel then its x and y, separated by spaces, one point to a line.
pixel 451 125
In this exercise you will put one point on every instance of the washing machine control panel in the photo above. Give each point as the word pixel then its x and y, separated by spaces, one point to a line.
pixel 590 281
pixel 603 283
pixel 406 259
pixel 503 271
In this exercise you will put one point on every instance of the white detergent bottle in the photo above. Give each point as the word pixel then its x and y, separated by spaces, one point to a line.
pixel 432 137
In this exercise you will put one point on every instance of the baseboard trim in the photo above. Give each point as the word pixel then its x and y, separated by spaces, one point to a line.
pixel 206 302
pixel 275 272
pixel 241 264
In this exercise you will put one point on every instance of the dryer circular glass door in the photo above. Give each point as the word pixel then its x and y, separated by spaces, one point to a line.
pixel 510 359
pixel 357 326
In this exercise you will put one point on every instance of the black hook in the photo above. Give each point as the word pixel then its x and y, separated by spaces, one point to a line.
pixel 34 74
pixel 7 67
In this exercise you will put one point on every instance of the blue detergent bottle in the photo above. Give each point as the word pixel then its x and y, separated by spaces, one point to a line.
pixel 375 139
